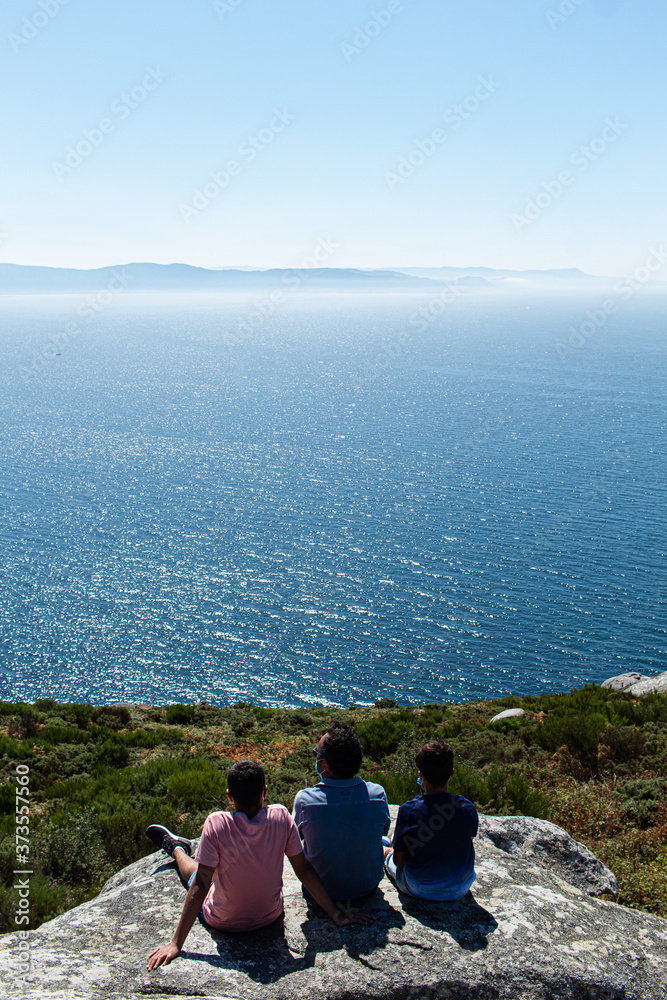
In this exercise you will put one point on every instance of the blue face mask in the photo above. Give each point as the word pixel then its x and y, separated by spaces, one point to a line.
pixel 317 766
pixel 419 782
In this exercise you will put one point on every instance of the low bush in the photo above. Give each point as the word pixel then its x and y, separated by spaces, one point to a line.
pixel 379 737
pixel 180 715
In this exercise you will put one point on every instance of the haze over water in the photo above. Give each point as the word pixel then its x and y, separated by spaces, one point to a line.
pixel 329 512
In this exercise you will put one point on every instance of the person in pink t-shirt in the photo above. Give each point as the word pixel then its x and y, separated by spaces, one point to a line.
pixel 235 879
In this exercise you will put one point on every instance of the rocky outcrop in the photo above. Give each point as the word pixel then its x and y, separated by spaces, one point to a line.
pixel 551 847
pixel 649 685
pixel 623 681
pixel 530 929
pixel 637 685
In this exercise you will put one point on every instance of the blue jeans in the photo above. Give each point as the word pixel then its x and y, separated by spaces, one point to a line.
pixel 417 891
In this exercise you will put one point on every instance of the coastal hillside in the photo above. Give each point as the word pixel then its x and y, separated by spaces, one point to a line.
pixel 592 761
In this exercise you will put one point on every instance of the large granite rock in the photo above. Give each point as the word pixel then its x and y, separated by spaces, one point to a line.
pixel 637 685
pixel 529 930
pixel 649 685
pixel 621 682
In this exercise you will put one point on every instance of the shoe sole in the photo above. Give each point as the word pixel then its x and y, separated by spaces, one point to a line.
pixel 159 831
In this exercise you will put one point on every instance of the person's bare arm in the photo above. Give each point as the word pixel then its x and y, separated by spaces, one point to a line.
pixel 399 858
pixel 193 902
pixel 306 874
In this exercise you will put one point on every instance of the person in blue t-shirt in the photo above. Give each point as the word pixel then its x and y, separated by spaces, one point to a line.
pixel 341 820
pixel 432 856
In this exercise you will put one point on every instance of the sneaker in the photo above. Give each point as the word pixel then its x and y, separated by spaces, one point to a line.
pixel 168 841
pixel 386 841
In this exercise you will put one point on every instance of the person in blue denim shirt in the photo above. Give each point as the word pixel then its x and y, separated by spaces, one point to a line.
pixel 433 855
pixel 341 819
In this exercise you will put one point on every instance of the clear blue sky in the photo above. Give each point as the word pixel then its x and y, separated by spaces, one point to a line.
pixel 356 112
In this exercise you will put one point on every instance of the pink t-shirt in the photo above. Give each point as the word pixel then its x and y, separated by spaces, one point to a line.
pixel 247 854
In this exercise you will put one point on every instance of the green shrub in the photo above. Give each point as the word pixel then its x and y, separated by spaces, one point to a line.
pixel 112 753
pixel 112 716
pixel 46 704
pixel 180 715
pixel 263 714
pixel 527 801
pixel 72 850
pixel 242 725
pixel 496 782
pixel 622 743
pixel 301 719
pixel 470 783
pixel 53 734
pixel 7 797
pixel 25 723
pixel 578 732
pixel 203 787
pixel 80 715
pixel 8 747
pixel 400 786
pixel 380 737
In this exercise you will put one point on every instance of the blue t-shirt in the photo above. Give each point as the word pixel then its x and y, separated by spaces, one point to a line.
pixel 341 822
pixel 435 832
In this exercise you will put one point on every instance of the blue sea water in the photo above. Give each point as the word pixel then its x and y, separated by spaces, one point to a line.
pixel 335 506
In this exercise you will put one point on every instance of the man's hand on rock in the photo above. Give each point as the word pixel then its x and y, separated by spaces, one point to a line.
pixel 162 955
pixel 348 915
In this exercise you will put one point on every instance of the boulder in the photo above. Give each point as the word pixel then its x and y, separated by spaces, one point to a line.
pixel 623 681
pixel 649 685
pixel 551 846
pixel 509 713
pixel 529 928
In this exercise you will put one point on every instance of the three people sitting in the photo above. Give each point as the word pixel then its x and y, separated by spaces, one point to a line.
pixel 235 878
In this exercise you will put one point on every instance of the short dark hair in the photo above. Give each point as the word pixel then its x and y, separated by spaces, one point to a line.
pixel 435 760
pixel 246 781
pixel 342 749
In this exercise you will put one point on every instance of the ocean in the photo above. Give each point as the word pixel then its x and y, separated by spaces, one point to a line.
pixel 337 501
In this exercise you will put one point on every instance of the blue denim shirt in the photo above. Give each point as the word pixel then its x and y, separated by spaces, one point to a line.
pixel 341 822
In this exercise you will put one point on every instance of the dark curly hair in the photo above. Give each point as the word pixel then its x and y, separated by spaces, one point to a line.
pixel 436 762
pixel 342 749
pixel 246 781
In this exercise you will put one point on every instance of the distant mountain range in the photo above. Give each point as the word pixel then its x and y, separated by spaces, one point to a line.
pixel 25 279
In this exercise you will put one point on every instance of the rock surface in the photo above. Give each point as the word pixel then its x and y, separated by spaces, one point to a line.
pixel 649 685
pixel 623 681
pixel 529 930
pixel 509 713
